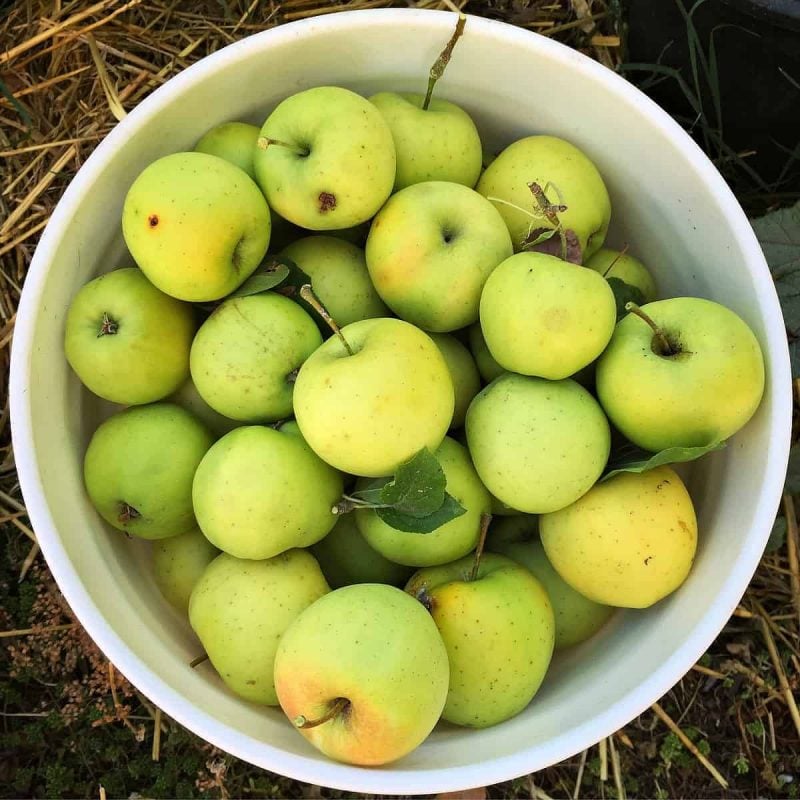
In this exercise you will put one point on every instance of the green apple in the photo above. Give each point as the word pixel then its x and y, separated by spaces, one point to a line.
pixel 245 357
pixel 139 467
pixel 367 660
pixel 346 558
pixel 440 143
pixel 196 225
pixel 233 141
pixel 577 618
pixel 567 177
pixel 338 272
pixel 189 398
pixel 127 341
pixel 449 541
pixel 543 316
pixel 616 264
pixel 260 491
pixel 430 250
pixel 498 629
pixel 694 379
pixel 178 563
pixel 487 366
pixel 628 542
pixel 369 412
pixel 325 159
pixel 463 373
pixel 239 610
pixel 537 445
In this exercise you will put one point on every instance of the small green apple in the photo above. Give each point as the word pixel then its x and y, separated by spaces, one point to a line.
pixel 616 264
pixel 127 341
pixel 233 141
pixel 487 366
pixel 196 225
pixel 628 542
pixel 245 357
pixel 430 250
pixel 463 372
pixel 440 143
pixel 537 445
pixel 363 674
pixel 139 467
pixel 543 316
pixel 178 563
pixel 498 628
pixel 368 412
pixel 239 610
pixel 325 159
pixel 695 377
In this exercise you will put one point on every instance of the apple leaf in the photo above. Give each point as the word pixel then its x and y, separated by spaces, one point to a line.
pixel 633 459
pixel 625 293
pixel 291 286
pixel 418 487
pixel 448 510
pixel 537 236
pixel 266 277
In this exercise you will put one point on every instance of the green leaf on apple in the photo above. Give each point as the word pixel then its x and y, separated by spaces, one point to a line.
pixel 418 487
pixel 266 277
pixel 447 511
pixel 633 459
pixel 625 293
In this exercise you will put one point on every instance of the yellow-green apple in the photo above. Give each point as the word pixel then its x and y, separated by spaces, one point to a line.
pixel 571 184
pixel 430 250
pixel 261 491
pixel 368 412
pixel 537 445
pixel 139 467
pixel 127 341
pixel 233 141
pixel 178 563
pixel 437 143
pixel 363 674
pixel 543 316
pixel 628 542
pixel 686 373
pixel 325 159
pixel 487 365
pixel 189 398
pixel 498 629
pixel 196 225
pixel 463 373
pixel 577 617
pixel 240 608
pixel 618 264
pixel 245 357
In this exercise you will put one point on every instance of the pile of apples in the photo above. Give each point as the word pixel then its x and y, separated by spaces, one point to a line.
pixel 452 435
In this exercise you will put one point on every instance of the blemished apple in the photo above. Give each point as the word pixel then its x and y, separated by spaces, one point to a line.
pixel 621 265
pixel 196 225
pixel 448 542
pixel 567 177
pixel 430 250
pixel 245 357
pixel 537 445
pixel 692 377
pixel 363 674
pixel 339 277
pixel 498 628
pixel 543 316
pixel 325 159
pixel 127 341
pixel 440 143
pixel 240 608
pixel 345 558
pixel 189 398
pixel 487 365
pixel 629 541
pixel 233 141
pixel 577 617
pixel 463 372
pixel 261 491
pixel 139 467
pixel 178 563
pixel 369 412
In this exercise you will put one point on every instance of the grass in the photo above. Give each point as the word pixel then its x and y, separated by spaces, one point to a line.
pixel 70 725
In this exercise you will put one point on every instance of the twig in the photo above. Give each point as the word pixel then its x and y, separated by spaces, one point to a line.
pixel 28 562
pixel 118 710
pixel 34 631
pixel 579 779
pixel 792 546
pixel 782 681
pixel 617 770
pixel 603 745
pixel 156 754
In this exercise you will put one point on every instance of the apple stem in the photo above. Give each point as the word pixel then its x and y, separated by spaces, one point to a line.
pixel 108 326
pixel 339 705
pixel 263 143
pixel 199 660
pixel 439 66
pixel 349 503
pixel 307 293
pixel 485 520
pixel 665 348
pixel 617 257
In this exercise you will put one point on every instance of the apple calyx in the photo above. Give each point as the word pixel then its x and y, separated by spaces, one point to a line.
pixel 338 706
pixel 108 326
pixel 292 376
pixel 439 66
pixel 327 202
pixel 476 564
pixel 263 143
pixel 661 345
pixel 307 293
pixel 127 513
